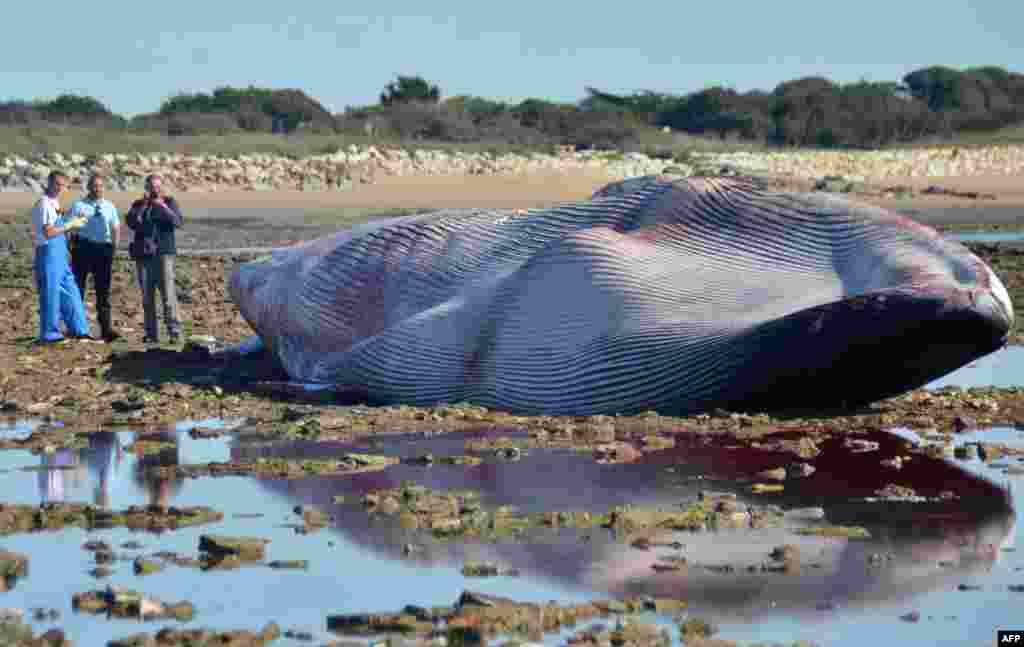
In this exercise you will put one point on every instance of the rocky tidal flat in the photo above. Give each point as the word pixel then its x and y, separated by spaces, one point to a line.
pixel 324 502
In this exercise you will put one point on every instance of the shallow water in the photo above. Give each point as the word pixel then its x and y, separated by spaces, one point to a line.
pixel 988 236
pixel 358 565
pixel 1003 368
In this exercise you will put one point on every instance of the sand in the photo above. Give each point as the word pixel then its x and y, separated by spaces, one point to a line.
pixel 256 218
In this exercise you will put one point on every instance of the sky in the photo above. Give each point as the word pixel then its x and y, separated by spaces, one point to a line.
pixel 133 55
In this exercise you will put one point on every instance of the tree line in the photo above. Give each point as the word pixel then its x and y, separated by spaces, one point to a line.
pixel 814 111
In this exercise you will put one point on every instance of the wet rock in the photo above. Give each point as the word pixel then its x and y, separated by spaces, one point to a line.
pixel 510 454
pixel 637 518
pixel 805 514
pixel 766 488
pixel 800 470
pixel 45 615
pixel 968 587
pixel 299 634
pixel 893 492
pixel 105 557
pixel 803 447
pixel 696 629
pixel 289 564
pixel 964 423
pixel 789 557
pixel 144 446
pixel 617 452
pixel 736 519
pixel 913 616
pixel 487 569
pixel 966 452
pixel 143 566
pixel 311 515
pixel 858 446
pixel 654 442
pixel 205 433
pixel 776 474
pixel 599 429
pixel 280 468
pixel 101 572
pixel 713 498
pixel 52 516
pixel 895 463
pixel 201 638
pixel 994 451
pixel 12 567
pixel 835 531
pixel 378 623
pixel 123 603
pixel 178 560
pixel 245 548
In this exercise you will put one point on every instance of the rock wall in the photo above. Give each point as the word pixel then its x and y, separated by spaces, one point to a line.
pixel 355 165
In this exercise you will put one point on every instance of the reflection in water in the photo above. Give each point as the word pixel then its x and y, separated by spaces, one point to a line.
pixel 914 547
pixel 160 490
pixel 103 457
pixel 68 475
pixel 917 555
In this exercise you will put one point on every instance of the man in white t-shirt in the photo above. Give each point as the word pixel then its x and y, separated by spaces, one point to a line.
pixel 59 298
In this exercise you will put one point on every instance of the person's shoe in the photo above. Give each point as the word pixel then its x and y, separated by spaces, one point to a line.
pixel 86 337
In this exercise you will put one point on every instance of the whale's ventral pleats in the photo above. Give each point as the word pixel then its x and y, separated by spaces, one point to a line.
pixel 658 293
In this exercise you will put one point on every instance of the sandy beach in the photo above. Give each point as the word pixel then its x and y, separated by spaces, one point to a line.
pixel 235 219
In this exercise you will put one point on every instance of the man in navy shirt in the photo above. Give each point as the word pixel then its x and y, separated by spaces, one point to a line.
pixel 94 251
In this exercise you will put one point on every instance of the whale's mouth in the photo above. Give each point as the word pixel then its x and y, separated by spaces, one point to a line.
pixel 1001 296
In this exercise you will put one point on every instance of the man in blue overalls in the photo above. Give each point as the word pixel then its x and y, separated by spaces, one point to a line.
pixel 94 249
pixel 58 294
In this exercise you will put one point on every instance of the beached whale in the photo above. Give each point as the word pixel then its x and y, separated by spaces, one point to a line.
pixel 658 293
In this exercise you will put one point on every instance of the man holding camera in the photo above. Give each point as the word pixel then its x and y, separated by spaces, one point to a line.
pixel 154 220
pixel 94 250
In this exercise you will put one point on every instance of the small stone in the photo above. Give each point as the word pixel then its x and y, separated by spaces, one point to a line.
pixel 800 470
pixel 289 564
pixel 244 547
pixel 964 423
pixel 144 566
pixel 895 463
pixel 776 474
pixel 312 516
pixel 858 446
pixel 805 514
pixel 913 616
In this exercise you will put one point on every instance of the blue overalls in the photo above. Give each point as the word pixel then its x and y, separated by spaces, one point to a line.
pixel 58 293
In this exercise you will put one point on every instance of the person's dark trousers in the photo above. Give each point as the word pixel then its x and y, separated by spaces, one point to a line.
pixel 96 259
